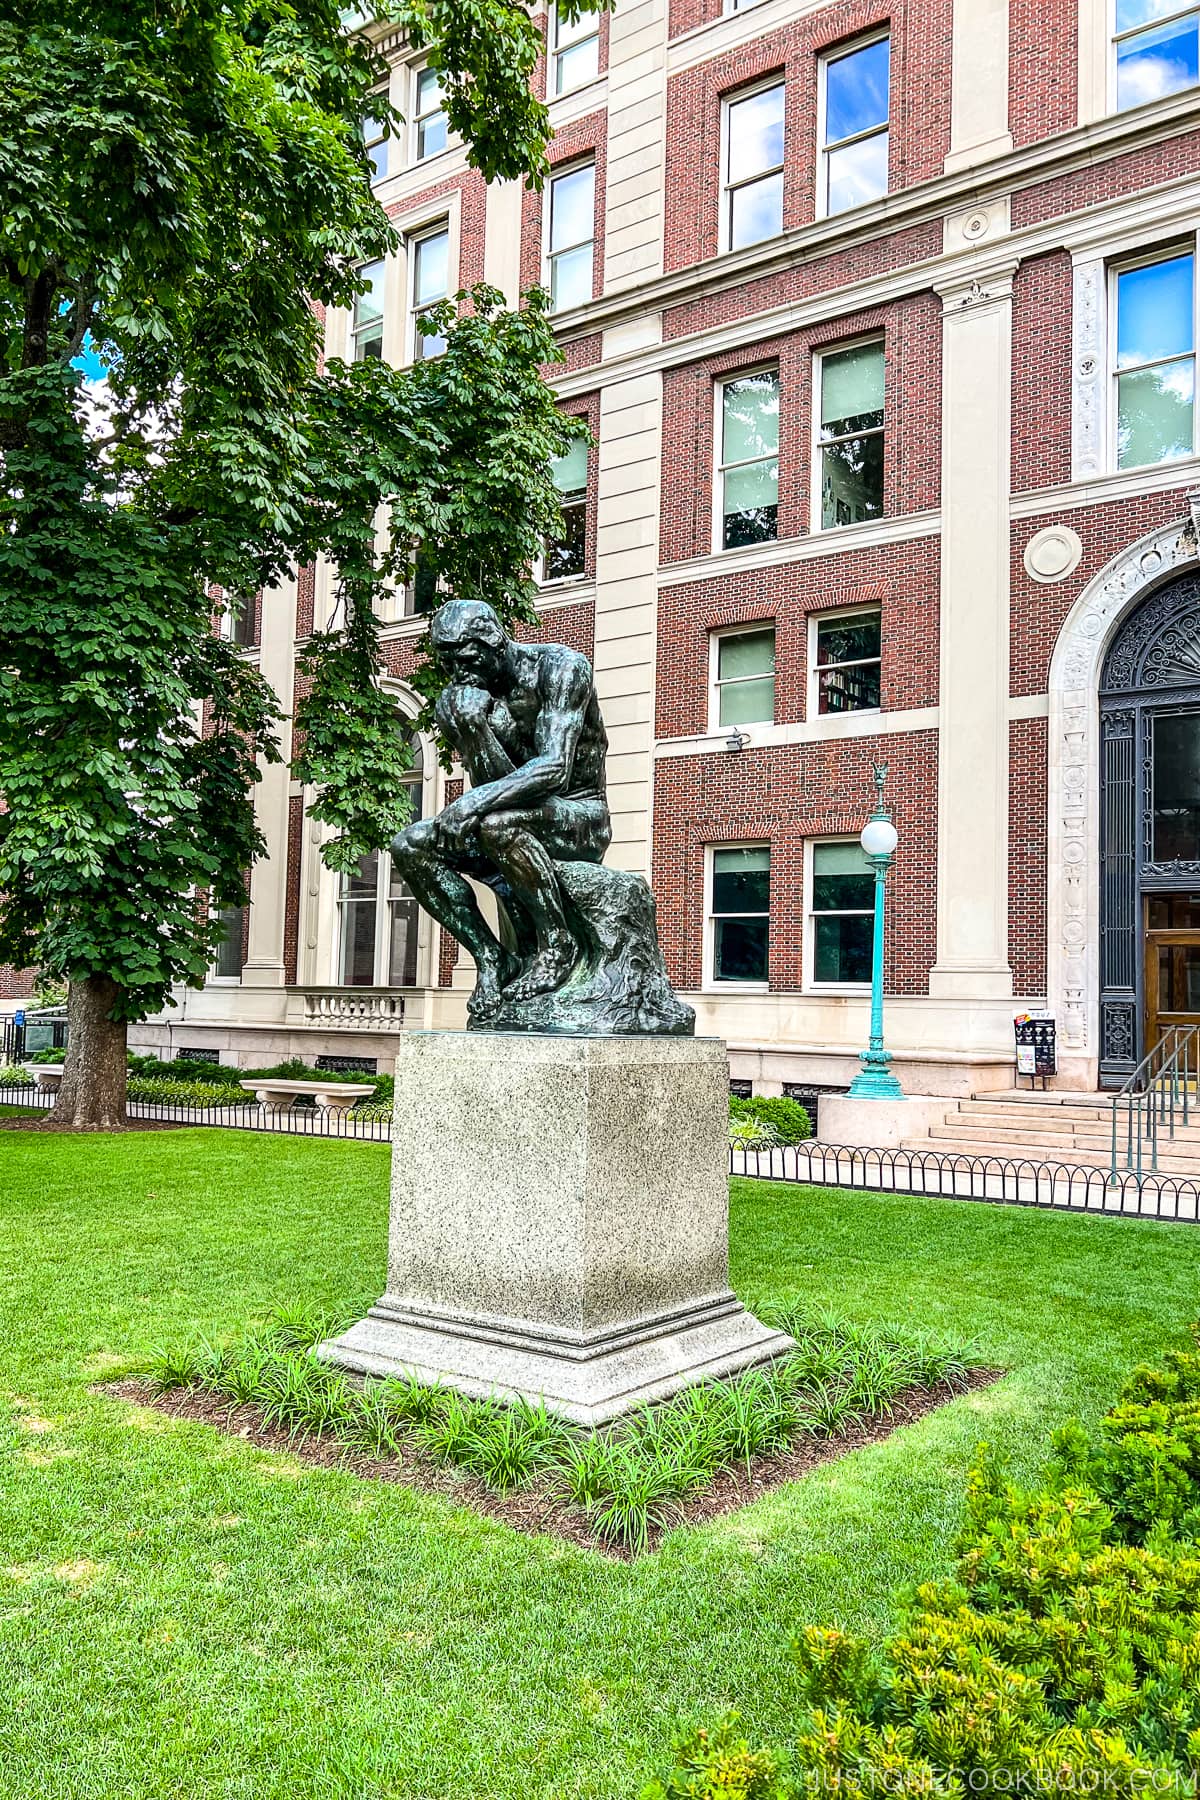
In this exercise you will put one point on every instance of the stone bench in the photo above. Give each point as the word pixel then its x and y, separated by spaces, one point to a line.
pixel 47 1077
pixel 330 1096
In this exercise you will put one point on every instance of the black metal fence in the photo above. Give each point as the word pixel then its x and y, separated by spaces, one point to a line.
pixel 367 1124
pixel 999 1180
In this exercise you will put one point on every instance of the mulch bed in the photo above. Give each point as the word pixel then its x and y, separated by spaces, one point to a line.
pixel 30 1123
pixel 535 1510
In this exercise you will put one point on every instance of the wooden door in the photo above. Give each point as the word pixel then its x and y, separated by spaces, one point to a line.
pixel 1172 964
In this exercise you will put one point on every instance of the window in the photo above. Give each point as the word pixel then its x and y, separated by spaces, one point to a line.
pixel 739 912
pixel 431 131
pixel 753 208
pixel 378 916
pixel 1155 371
pixel 854 126
pixel 1176 774
pixel 571 237
pixel 847 662
pixel 429 256
pixel 850 435
pixel 743 678
pixel 1157 48
pixel 575 50
pixel 842 914
pixel 423 593
pixel 244 622
pixel 366 330
pixel 375 137
pixel 228 963
pixel 748 472
pixel 566 556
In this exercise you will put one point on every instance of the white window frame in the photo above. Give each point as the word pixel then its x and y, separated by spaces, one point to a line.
pixel 1116 37
pixel 810 984
pixel 412 241
pixel 815 526
pixel 226 981
pixel 1122 265
pixel 553 90
pixel 357 331
pixel 720 466
pixel 721 635
pixel 738 6
pixel 728 102
pixel 842 616
pixel 825 59
pixel 554 583
pixel 556 174
pixel 415 158
pixel 385 136
pixel 709 982
pixel 383 909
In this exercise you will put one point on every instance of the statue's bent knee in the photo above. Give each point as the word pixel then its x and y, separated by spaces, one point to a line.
pixel 413 843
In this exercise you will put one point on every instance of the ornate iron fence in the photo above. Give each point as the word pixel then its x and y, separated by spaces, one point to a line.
pixel 366 1124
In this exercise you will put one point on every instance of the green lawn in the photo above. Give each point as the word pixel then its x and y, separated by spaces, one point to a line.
pixel 182 1615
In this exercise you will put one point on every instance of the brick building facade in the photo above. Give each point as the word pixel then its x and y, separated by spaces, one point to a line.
pixel 883 313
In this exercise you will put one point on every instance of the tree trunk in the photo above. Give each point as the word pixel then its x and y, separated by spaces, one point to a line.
pixel 95 1077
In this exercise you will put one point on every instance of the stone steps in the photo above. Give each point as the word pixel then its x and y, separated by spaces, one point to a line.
pixel 1070 1129
pixel 1069 1156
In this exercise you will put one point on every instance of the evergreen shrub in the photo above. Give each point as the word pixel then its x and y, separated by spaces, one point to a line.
pixel 787 1118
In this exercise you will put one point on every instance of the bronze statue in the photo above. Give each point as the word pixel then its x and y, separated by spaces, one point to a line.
pixel 578 947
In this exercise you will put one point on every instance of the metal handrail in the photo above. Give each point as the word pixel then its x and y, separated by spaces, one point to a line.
pixel 1159 1090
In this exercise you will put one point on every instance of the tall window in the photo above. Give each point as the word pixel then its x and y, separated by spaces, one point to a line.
pixel 743 678
pixel 850 435
pixel 1155 372
pixel 378 915
pixel 571 237
pixel 575 50
pixel 566 555
pixel 375 137
pixel 748 470
pixel 739 913
pixel 227 965
pixel 429 257
pixel 847 662
pixel 854 125
pixel 366 329
pixel 753 205
pixel 842 914
pixel 244 622
pixel 1157 50
pixel 431 131
pixel 1176 788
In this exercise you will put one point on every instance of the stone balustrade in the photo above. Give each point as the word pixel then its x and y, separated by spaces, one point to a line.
pixel 354 1009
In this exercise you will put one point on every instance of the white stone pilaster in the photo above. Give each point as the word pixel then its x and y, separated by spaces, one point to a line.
pixel 972 873
pixel 637 98
pixel 268 879
pixel 979 84
pixel 502 238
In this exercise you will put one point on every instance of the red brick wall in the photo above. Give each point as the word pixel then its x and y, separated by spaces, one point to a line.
pixel 15 984
pixel 912 476
pixel 902 577
pixel 1039 608
pixel 1043 67
pixel 1041 393
pixel 784 795
pixel 473 189
pixel 920 112
pixel 1116 176
pixel 306 600
pixel 1027 787
pixel 570 144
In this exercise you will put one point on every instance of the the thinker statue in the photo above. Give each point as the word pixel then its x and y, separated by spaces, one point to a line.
pixel 578 946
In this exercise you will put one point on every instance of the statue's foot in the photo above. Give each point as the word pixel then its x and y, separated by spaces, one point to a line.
pixel 548 970
pixel 489 986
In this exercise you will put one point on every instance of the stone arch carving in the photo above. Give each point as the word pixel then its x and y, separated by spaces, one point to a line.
pixel 1073 837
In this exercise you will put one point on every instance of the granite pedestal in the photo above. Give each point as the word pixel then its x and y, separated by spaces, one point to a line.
pixel 559 1223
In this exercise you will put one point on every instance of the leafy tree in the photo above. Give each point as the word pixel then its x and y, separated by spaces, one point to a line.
pixel 180 185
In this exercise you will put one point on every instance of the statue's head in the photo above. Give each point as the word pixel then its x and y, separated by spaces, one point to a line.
pixel 471 641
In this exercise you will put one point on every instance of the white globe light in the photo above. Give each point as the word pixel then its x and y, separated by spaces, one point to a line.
pixel 879 837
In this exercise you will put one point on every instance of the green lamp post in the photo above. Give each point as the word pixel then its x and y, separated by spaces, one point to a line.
pixel 875 1080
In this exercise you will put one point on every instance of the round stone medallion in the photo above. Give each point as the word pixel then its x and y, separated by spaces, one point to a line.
pixel 1052 554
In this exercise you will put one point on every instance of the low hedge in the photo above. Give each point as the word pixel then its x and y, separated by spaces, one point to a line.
pixel 187 1093
pixel 1065 1657
pixel 787 1118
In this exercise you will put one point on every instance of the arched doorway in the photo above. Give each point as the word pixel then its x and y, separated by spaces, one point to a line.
pixel 1150 826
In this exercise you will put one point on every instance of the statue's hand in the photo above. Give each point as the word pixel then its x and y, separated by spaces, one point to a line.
pixel 457 822
pixel 467 706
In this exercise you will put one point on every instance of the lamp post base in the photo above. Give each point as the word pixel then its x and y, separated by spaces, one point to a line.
pixel 875 1080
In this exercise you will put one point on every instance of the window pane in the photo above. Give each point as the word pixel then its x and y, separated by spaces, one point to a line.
pixel 849 642
pixel 369 306
pixel 751 511
pixel 1177 788
pixel 755 127
pixel 570 471
pixel 433 134
pixel 757 212
pixel 746 653
pixel 748 702
pixel 571 279
pixel 573 207
pixel 842 859
pixel 750 411
pixel 579 64
pixel 1154 414
pixel 375 139
pixel 740 950
pixel 1154 312
pixel 364 880
pixel 856 91
pixel 1143 12
pixel 741 881
pixel 1157 62
pixel 854 689
pixel 852 390
pixel 429 91
pixel 402 954
pixel 843 950
pixel 228 963
pixel 431 268
pixel 857 173
pixel 567 555
pixel 852 481
pixel 567 31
